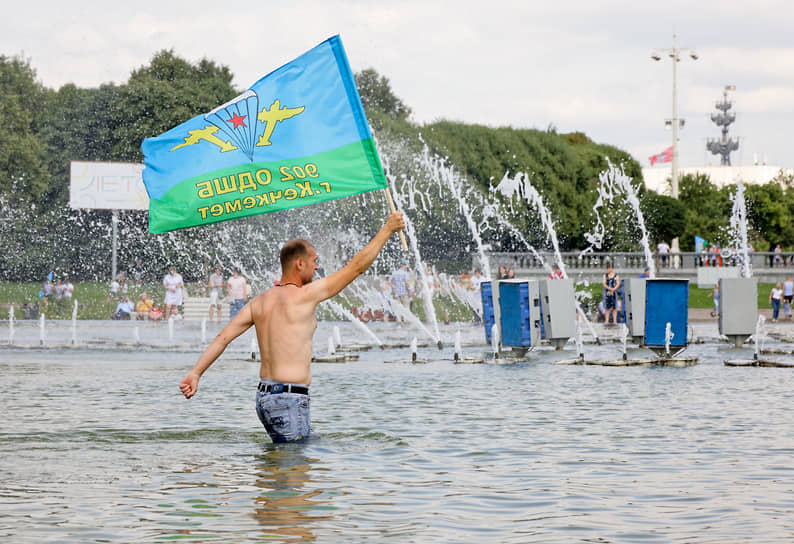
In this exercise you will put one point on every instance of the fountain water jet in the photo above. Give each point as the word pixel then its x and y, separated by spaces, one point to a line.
pixel 11 325
pixel 74 324
pixel 337 308
pixel 759 334
pixel 738 228
pixel 427 290
pixel 41 329
pixel 613 182
pixel 520 185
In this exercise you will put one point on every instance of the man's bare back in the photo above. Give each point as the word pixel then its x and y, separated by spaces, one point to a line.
pixel 284 315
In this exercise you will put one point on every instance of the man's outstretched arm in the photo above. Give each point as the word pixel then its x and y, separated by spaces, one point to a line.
pixel 328 287
pixel 237 326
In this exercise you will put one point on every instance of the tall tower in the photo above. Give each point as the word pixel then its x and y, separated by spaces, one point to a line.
pixel 723 146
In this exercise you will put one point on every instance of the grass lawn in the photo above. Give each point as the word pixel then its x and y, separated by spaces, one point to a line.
pixel 92 298
pixel 699 298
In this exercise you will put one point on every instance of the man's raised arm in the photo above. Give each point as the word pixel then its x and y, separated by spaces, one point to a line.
pixel 329 286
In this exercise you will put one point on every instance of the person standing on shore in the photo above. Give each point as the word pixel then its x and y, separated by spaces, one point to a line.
pixel 788 296
pixel 401 287
pixel 285 321
pixel 611 283
pixel 238 290
pixel 774 299
pixel 172 282
pixel 216 292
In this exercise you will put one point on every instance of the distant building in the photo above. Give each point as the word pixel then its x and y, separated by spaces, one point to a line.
pixel 658 179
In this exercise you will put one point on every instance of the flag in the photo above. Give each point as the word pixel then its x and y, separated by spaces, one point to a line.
pixel 298 136
pixel 664 156
pixel 700 244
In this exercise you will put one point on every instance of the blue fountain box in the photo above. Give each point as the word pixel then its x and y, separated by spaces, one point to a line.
pixel 487 309
pixel 666 301
pixel 519 313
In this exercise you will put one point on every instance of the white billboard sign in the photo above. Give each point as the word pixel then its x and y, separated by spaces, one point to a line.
pixel 107 186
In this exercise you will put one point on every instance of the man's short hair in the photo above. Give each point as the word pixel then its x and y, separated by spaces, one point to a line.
pixel 294 249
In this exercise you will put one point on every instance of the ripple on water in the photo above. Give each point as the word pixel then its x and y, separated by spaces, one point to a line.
pixel 96 449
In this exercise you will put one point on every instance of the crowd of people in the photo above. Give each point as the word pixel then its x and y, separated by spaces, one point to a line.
pixel 60 292
pixel 145 308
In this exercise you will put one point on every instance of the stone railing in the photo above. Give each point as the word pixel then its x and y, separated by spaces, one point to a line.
pixel 764 264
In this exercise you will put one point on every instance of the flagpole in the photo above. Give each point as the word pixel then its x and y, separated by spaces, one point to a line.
pixel 393 209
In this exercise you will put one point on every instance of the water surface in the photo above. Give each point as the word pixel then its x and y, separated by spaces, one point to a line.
pixel 97 445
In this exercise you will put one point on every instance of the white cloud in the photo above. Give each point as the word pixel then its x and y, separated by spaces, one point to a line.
pixel 578 65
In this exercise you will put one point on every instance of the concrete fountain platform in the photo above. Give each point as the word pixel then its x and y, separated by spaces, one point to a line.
pixel 641 361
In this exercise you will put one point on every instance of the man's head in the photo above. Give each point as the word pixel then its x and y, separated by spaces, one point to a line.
pixel 299 256
pixel 404 263
pixel 218 269
pixel 172 270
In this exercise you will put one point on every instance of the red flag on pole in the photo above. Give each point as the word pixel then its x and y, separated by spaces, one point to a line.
pixel 664 156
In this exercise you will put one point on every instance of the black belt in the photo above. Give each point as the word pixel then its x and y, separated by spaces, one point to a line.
pixel 276 388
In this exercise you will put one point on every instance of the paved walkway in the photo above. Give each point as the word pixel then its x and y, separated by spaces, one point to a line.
pixel 703 315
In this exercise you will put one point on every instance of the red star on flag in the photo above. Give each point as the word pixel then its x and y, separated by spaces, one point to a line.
pixel 237 120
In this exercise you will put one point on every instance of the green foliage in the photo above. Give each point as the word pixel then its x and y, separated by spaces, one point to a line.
pixel 46 129
pixel 23 167
pixel 563 168
pixel 163 95
pixel 665 217
pixel 377 96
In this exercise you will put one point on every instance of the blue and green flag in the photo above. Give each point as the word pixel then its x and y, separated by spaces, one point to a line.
pixel 298 136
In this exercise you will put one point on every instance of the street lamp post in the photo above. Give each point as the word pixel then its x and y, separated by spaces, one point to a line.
pixel 675 54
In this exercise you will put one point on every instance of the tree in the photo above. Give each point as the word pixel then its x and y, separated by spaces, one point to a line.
pixel 163 95
pixel 665 217
pixel 23 171
pixel 376 94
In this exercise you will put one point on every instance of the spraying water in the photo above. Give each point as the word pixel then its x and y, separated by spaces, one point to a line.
pixel 446 176
pixel 136 335
pixel 331 346
pixel 203 331
pixel 74 324
pixel 41 329
pixel 337 308
pixel 414 344
pixel 495 340
pixel 427 290
pixel 458 347
pixel 738 229
pixel 624 335
pixel 11 325
pixel 668 337
pixel 759 335
pixel 171 330
pixel 521 186
pixel 579 342
pixel 613 183
pixel 337 336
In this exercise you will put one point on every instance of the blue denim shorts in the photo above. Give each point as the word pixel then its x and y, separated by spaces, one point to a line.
pixel 284 415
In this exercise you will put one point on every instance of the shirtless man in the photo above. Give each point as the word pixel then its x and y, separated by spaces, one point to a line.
pixel 285 322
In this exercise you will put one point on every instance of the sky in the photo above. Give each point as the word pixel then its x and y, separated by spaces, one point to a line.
pixel 574 65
